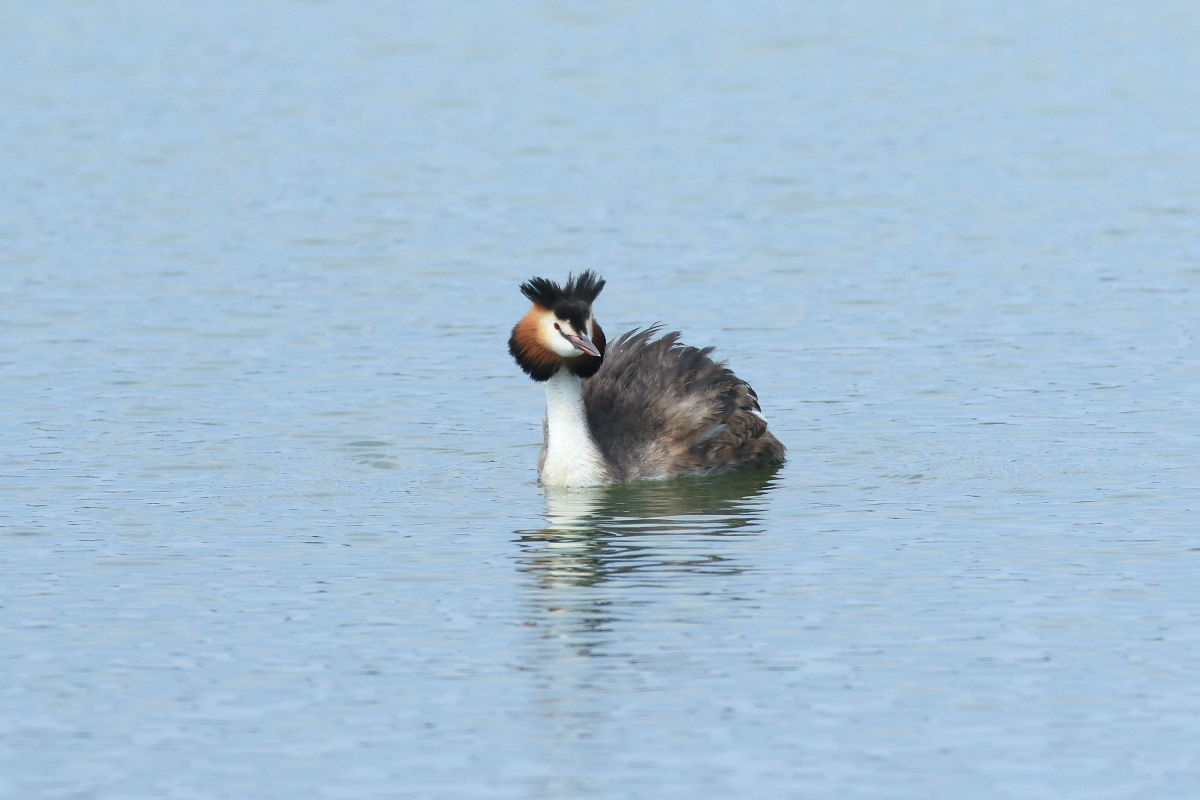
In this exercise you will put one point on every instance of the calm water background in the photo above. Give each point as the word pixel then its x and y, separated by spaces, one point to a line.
pixel 269 520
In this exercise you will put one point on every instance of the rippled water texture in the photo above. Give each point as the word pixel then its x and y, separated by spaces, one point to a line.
pixel 268 520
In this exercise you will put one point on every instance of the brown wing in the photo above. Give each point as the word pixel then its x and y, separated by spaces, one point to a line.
pixel 658 408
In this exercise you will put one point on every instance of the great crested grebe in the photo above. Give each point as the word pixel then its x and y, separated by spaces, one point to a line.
pixel 638 409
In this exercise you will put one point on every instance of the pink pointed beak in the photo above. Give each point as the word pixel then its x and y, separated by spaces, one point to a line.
pixel 581 341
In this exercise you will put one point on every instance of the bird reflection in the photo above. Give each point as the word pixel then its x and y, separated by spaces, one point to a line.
pixel 642 531
pixel 607 553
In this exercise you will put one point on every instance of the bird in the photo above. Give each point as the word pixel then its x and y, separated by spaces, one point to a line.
pixel 643 407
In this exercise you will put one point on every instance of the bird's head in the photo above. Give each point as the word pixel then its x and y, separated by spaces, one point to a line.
pixel 559 330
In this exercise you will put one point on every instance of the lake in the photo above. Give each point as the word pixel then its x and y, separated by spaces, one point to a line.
pixel 269 518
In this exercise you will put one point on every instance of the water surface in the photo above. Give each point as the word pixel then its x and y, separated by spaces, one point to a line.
pixel 267 502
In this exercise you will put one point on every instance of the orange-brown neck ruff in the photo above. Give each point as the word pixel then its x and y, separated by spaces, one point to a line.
pixel 530 354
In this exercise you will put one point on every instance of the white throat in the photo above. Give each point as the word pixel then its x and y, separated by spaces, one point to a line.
pixel 569 455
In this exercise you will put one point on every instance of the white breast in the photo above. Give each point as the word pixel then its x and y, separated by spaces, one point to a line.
pixel 570 456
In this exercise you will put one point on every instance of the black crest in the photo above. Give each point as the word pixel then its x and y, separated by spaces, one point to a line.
pixel 582 288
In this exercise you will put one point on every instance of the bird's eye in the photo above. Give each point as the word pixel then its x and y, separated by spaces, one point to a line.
pixel 558 327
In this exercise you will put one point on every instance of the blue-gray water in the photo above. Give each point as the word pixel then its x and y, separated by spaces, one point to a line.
pixel 270 526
